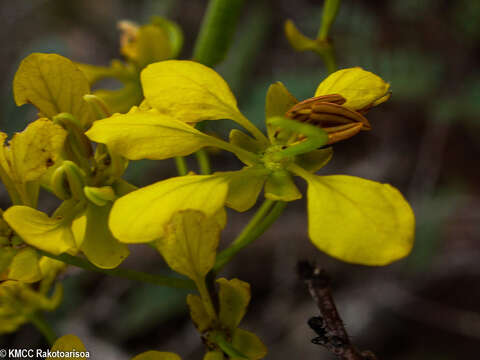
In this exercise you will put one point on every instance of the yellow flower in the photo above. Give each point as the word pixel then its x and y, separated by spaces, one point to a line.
pixel 353 219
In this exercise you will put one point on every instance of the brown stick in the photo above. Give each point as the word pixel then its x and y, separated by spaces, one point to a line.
pixel 329 327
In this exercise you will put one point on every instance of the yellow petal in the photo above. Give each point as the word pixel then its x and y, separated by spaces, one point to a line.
pixel 36 149
pixel 188 91
pixel 359 221
pixel 148 135
pixel 359 87
pixel 39 230
pixel 69 343
pixel 140 216
pixel 190 243
pixel 54 85
pixel 233 297
pixel 157 355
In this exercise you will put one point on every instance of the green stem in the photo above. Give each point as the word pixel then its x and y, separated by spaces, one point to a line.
pixel 328 56
pixel 260 222
pixel 203 162
pixel 330 10
pixel 181 164
pixel 123 273
pixel 216 33
pixel 43 326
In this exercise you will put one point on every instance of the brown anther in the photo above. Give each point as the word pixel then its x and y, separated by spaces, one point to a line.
pixel 328 113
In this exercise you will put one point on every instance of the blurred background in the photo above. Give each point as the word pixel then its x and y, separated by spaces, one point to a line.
pixel 425 141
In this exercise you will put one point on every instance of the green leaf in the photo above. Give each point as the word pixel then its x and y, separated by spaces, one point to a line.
pixel 198 314
pixel 359 221
pixel 188 91
pixel 140 216
pixel 314 160
pixel 39 230
pixel 244 187
pixel 69 343
pixel 233 297
pixel 157 355
pixel 148 135
pixel 190 243
pixel 24 266
pixel 54 85
pixel 280 186
pixel 249 344
pixel 99 245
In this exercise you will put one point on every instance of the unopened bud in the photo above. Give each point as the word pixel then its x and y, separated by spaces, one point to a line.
pixel 100 196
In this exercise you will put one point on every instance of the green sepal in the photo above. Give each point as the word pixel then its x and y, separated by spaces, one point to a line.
pixel 198 314
pixel 244 187
pixel 99 245
pixel 246 142
pixel 280 186
pixel 233 297
pixel 249 344
pixel 314 160
pixel 277 102
pixel 100 196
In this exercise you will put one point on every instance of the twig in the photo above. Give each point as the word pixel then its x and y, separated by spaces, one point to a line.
pixel 329 326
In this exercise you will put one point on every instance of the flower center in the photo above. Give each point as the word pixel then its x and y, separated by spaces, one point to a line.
pixel 273 160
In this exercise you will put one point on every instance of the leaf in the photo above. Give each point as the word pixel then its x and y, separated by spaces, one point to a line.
pixel 36 149
pixel 157 355
pixel 148 135
pixel 233 297
pixel 54 85
pixel 24 266
pixel 140 216
pixel 244 187
pixel 249 344
pixel 198 314
pixel 188 91
pixel 39 230
pixel 359 221
pixel 190 243
pixel 69 343
pixel 99 245
pixel 361 88
pixel 280 187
